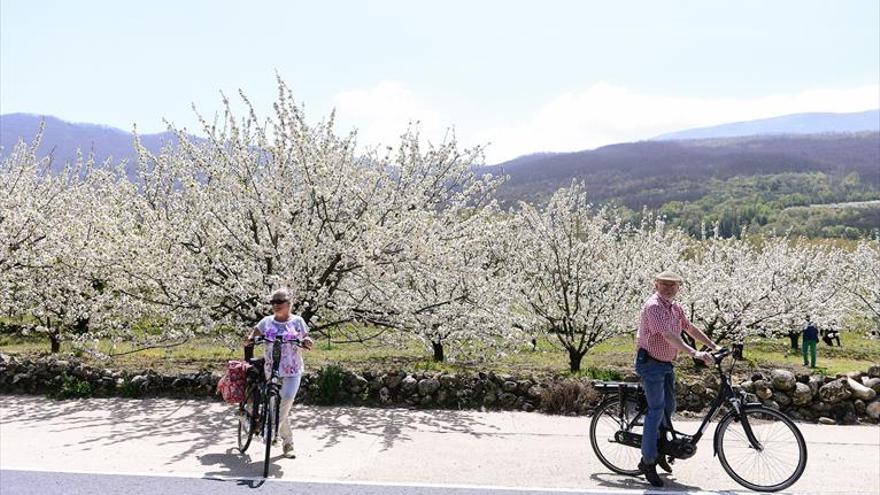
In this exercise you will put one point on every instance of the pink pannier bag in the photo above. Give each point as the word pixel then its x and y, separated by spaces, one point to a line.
pixel 233 383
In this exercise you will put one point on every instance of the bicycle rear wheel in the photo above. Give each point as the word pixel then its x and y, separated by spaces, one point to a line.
pixel 779 461
pixel 269 429
pixel 248 412
pixel 605 425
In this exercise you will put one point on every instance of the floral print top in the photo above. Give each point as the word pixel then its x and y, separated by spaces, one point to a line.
pixel 281 333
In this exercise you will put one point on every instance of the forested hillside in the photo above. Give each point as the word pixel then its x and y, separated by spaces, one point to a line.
pixel 771 182
pixel 733 181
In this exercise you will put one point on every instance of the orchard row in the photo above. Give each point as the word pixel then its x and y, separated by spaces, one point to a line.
pixel 373 243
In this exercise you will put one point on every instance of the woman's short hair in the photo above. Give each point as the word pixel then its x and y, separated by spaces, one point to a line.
pixel 280 295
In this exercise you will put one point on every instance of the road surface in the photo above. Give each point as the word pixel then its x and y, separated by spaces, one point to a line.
pixel 145 444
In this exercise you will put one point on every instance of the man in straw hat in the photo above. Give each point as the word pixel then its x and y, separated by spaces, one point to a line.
pixel 661 322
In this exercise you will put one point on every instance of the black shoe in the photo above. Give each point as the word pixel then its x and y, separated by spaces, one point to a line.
pixel 664 463
pixel 650 472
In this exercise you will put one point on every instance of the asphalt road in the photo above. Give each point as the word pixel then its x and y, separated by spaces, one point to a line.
pixel 31 482
pixel 167 446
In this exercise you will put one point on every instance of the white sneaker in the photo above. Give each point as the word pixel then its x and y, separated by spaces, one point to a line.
pixel 288 451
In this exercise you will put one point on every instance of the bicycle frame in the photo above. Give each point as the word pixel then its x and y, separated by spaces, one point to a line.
pixel 271 386
pixel 726 394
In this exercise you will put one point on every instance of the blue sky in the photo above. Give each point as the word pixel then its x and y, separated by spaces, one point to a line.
pixel 520 76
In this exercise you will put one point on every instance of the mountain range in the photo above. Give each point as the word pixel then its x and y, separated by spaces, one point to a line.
pixel 61 139
pixel 652 173
pixel 689 166
pixel 800 123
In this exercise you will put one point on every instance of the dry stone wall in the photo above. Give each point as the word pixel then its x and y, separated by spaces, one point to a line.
pixel 847 399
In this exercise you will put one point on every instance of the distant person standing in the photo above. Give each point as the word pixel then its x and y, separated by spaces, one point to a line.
pixel 794 335
pixel 810 339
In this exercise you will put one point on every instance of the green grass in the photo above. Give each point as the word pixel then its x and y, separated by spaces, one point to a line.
pixel 856 354
pixel 192 355
pixel 608 360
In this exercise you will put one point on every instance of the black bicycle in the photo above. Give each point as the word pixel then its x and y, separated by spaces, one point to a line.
pixel 759 447
pixel 260 410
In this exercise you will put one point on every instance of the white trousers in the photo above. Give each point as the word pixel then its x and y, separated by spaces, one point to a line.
pixel 289 388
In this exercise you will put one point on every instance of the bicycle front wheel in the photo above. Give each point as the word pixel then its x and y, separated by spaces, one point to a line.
pixel 778 460
pixel 606 423
pixel 269 429
pixel 247 418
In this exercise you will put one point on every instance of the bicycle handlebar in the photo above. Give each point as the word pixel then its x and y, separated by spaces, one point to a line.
pixel 718 355
pixel 257 340
pixel 736 349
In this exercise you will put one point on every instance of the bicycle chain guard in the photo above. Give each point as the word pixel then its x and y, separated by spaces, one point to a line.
pixel 679 448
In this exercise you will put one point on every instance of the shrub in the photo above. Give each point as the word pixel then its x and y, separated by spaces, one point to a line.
pixel 130 390
pixel 73 387
pixel 330 380
pixel 567 397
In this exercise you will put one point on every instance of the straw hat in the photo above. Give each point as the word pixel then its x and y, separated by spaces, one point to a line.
pixel 668 276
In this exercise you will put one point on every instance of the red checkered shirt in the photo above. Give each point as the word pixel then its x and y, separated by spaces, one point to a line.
pixel 659 316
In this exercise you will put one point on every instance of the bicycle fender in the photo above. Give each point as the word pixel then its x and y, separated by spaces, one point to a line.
pixel 715 438
pixel 735 413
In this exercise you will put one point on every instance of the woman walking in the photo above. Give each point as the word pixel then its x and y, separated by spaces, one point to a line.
pixel 280 329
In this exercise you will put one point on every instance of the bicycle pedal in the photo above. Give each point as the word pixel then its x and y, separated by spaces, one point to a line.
pixel 665 463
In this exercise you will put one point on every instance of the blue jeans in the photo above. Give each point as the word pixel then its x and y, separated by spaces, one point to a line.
pixel 658 381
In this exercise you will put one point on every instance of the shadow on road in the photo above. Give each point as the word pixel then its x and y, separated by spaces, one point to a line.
pixel 206 428
pixel 192 424
pixel 621 482
pixel 389 425
pixel 233 464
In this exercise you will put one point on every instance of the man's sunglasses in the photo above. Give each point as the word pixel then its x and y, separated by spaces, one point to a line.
pixel 278 301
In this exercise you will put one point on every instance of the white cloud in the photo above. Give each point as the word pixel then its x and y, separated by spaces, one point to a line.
pixel 599 115
pixel 382 113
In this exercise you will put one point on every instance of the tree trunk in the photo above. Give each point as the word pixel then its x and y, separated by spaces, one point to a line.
pixel 81 326
pixel 574 359
pixel 438 351
pixel 55 340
